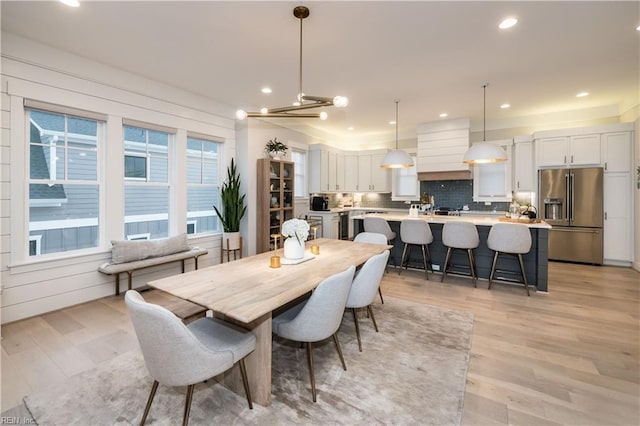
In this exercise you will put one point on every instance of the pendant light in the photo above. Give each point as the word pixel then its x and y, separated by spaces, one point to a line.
pixel 397 158
pixel 482 152
pixel 303 101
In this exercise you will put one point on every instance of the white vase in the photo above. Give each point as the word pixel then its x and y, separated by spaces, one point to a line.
pixel 293 249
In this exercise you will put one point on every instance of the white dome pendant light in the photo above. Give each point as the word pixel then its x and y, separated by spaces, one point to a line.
pixel 397 158
pixel 482 152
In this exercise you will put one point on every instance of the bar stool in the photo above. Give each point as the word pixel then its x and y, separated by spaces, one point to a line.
pixel 416 232
pixel 460 236
pixel 381 226
pixel 509 238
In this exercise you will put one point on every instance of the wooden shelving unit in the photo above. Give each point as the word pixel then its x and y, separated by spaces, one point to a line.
pixel 275 200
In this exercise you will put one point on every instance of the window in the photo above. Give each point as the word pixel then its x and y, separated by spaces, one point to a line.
pixel 406 186
pixel 64 188
pixel 146 193
pixel 203 164
pixel 299 159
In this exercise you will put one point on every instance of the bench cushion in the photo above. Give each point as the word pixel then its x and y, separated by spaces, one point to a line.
pixel 131 251
pixel 115 268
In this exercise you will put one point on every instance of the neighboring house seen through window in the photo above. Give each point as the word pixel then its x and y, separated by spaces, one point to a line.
pixel 146 193
pixel 64 185
pixel 203 163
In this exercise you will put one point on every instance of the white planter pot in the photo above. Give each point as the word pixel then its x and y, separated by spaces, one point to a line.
pixel 293 249
pixel 277 155
pixel 233 238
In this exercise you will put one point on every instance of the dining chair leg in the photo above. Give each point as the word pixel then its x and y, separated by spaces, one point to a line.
pixel 446 263
pixel 380 293
pixel 355 321
pixel 493 269
pixel 187 405
pixel 404 253
pixel 245 382
pixel 335 340
pixel 473 273
pixel 524 275
pixel 154 388
pixel 372 318
pixel 311 374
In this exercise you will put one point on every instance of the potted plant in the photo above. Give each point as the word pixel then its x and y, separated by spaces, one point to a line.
pixel 276 149
pixel 233 208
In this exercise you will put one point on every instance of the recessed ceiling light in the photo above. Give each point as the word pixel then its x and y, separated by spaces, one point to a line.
pixel 392 122
pixel 508 23
pixel 638 28
pixel 72 3
pixel 582 94
pixel 443 115
pixel 350 128
pixel 505 106
pixel 266 90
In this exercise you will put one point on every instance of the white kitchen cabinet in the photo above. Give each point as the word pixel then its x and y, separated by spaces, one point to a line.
pixel 618 240
pixel 326 169
pixel 492 181
pixel 616 151
pixel 568 151
pixel 372 177
pixel 524 174
pixel 351 172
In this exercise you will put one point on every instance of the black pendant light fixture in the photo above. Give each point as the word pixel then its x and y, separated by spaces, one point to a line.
pixel 303 102
pixel 397 158
pixel 483 152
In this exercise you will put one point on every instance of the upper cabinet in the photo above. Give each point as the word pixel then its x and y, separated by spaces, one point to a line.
pixel 372 177
pixel 524 174
pixel 351 171
pixel 492 181
pixel 616 151
pixel 326 168
pixel 566 151
pixel 442 145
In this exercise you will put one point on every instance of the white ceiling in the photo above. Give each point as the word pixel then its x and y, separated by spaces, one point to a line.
pixel 432 56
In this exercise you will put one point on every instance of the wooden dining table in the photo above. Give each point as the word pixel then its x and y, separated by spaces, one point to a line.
pixel 248 290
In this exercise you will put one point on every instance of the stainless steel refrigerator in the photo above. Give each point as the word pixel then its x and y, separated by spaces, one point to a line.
pixel 570 200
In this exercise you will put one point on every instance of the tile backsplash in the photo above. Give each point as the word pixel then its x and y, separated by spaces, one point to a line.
pixel 447 193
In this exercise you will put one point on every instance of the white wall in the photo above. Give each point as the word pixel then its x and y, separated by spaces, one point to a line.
pixel 636 179
pixel 34 71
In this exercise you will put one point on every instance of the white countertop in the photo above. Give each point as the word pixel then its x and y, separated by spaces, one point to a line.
pixel 476 220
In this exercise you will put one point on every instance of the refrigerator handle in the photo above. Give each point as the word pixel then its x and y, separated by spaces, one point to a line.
pixel 572 178
pixel 567 209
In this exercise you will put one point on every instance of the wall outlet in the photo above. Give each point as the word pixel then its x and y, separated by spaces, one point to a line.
pixel 435 267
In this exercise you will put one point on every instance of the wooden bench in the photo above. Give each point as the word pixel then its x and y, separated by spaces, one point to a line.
pixel 129 256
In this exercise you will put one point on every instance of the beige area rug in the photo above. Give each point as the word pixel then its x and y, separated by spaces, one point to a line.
pixel 412 372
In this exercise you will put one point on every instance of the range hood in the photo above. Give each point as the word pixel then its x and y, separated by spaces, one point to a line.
pixel 452 175
pixel 441 149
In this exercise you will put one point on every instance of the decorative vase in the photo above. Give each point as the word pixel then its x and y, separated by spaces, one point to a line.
pixel 293 249
pixel 276 155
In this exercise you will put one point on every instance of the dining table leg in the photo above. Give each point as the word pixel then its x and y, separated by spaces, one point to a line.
pixel 258 364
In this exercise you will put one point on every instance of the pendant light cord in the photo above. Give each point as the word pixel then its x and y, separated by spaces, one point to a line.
pixel 397 124
pixel 300 66
pixel 484 112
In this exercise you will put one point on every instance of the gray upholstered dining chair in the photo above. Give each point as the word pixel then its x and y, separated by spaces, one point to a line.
pixel 317 318
pixel 372 238
pixel 363 289
pixel 183 355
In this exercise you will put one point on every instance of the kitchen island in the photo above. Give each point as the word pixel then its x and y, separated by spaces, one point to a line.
pixel 535 262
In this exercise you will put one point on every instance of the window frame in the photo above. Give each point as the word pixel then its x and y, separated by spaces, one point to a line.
pixel 304 188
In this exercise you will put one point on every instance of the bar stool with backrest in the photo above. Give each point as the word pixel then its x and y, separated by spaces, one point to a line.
pixel 379 225
pixel 460 236
pixel 509 238
pixel 416 232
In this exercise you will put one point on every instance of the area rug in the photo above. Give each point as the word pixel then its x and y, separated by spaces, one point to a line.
pixel 412 372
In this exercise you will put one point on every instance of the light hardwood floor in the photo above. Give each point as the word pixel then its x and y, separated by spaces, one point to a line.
pixel 568 357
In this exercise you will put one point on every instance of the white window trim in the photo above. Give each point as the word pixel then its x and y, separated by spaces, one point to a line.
pixel 144 236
